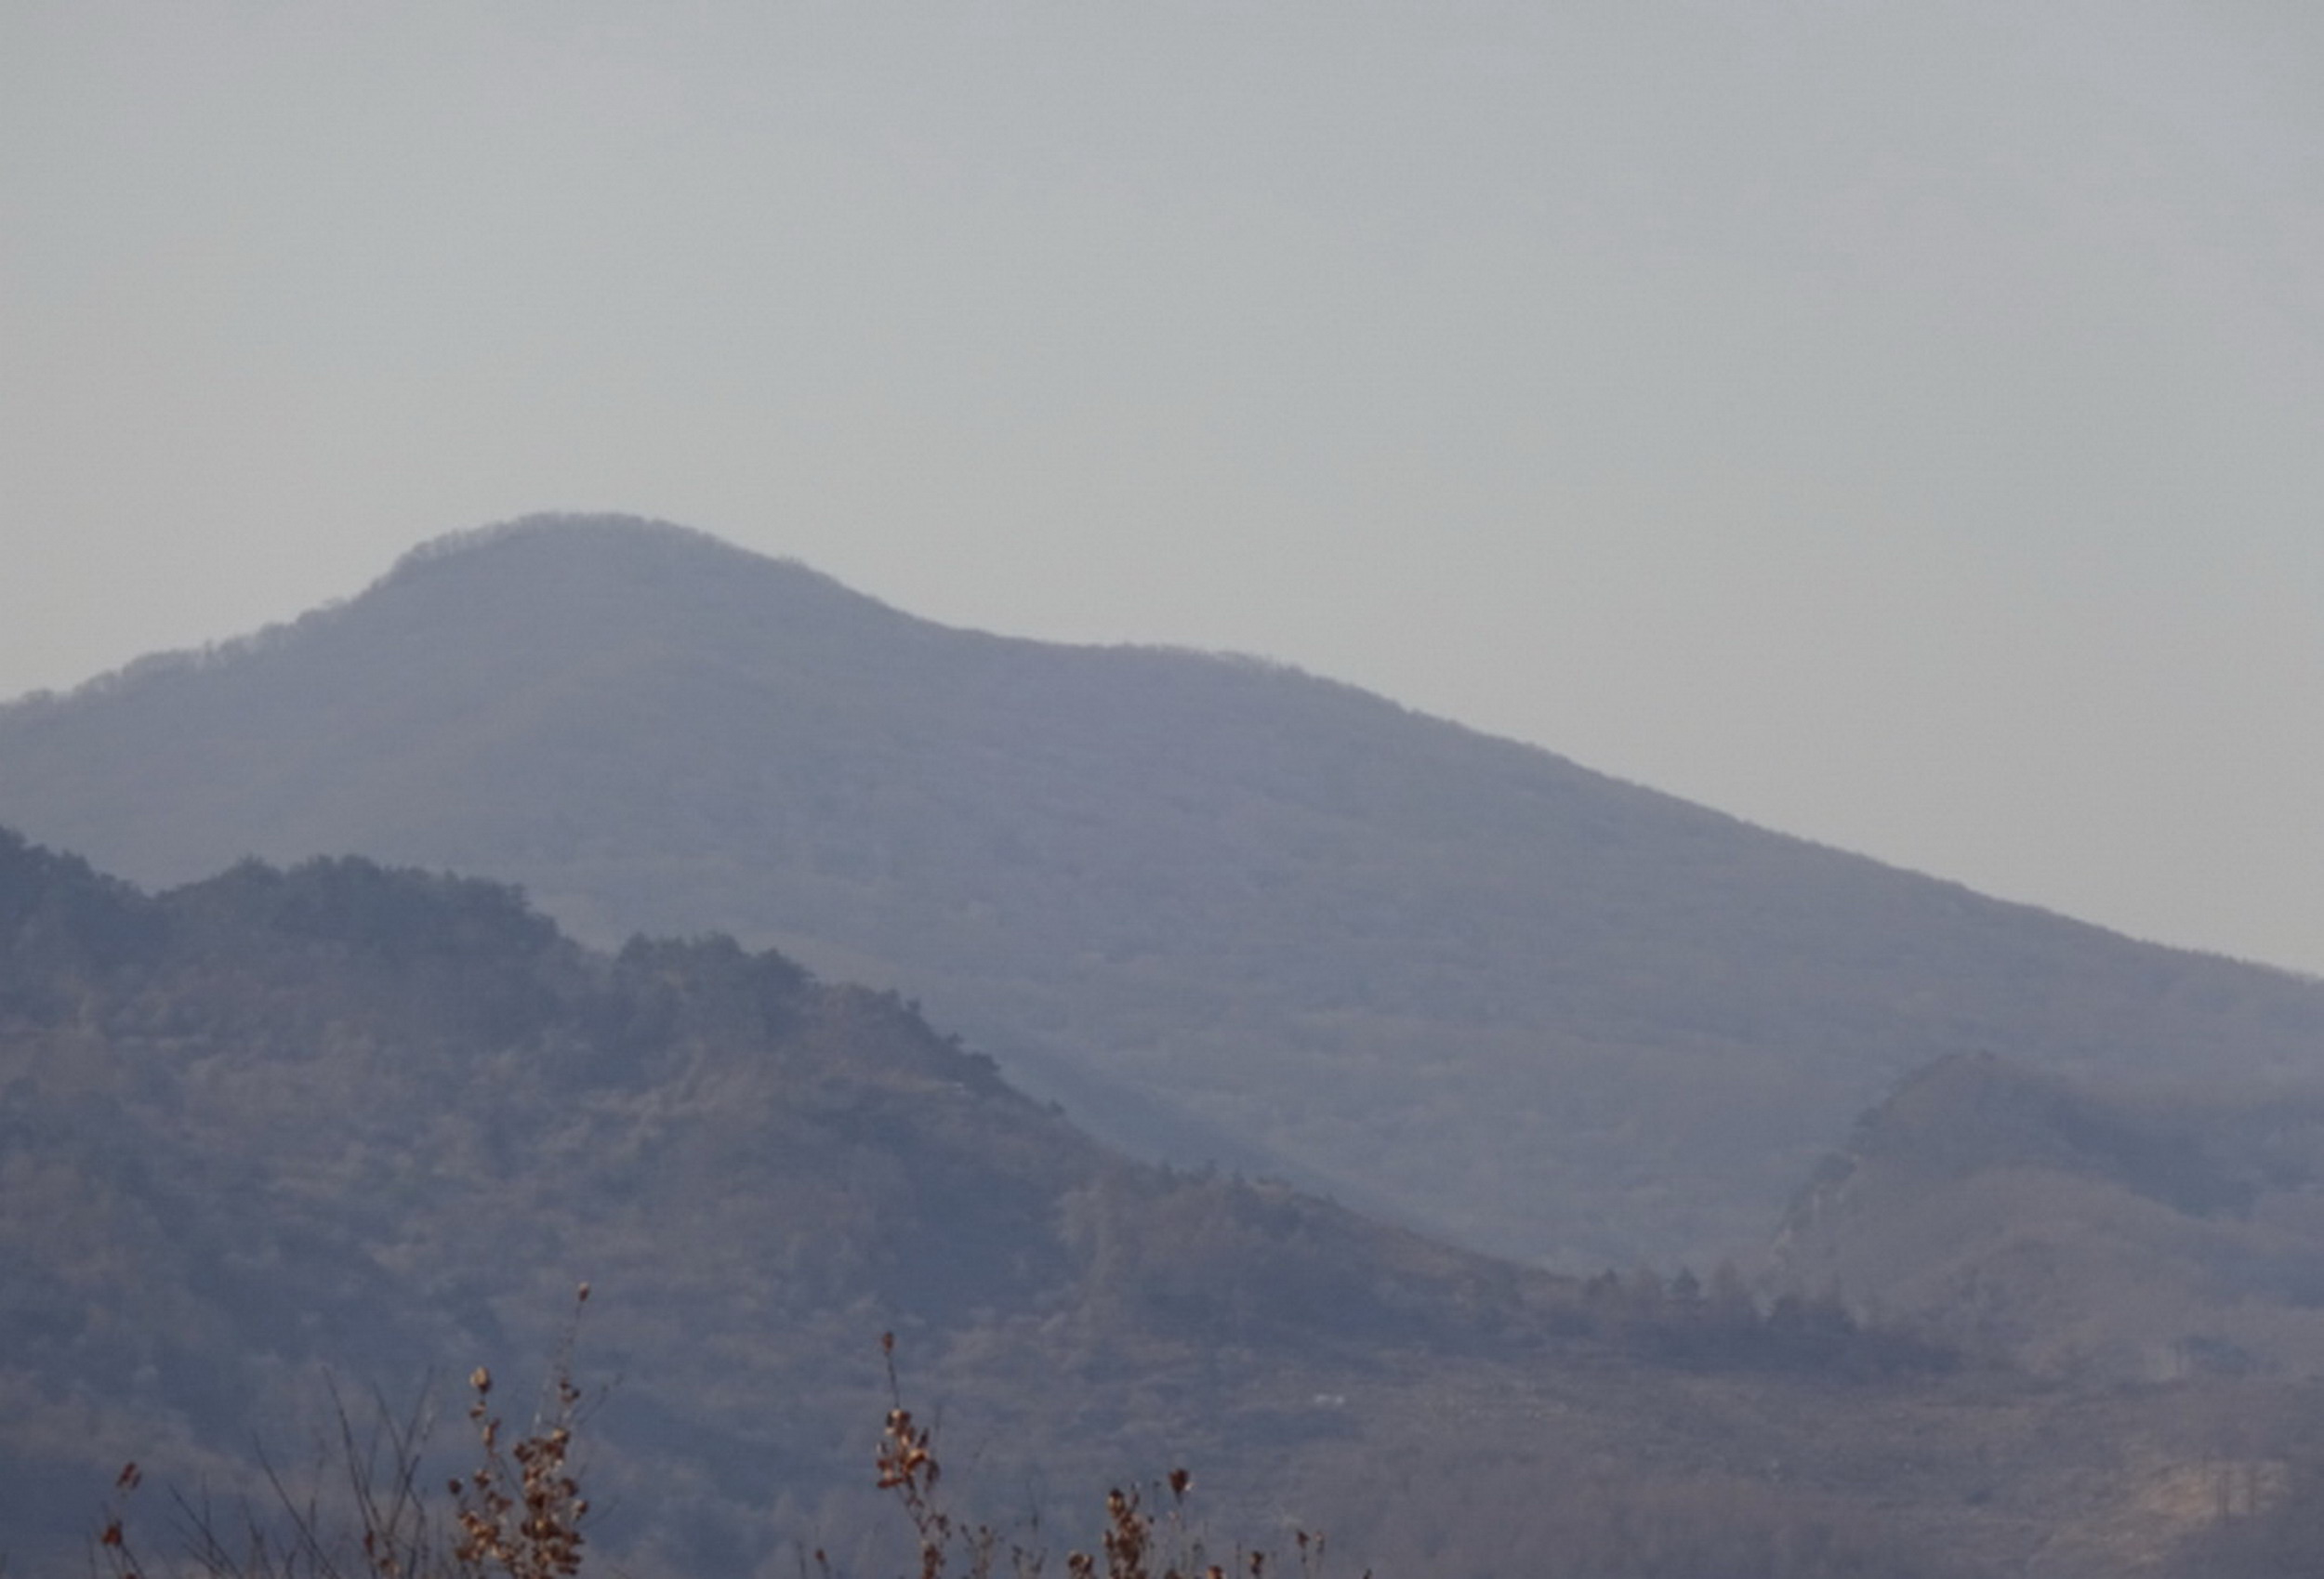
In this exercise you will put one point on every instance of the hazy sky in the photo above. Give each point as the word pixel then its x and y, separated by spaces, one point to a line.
pixel 1900 424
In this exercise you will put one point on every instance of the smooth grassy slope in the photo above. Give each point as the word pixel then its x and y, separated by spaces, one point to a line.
pixel 1218 907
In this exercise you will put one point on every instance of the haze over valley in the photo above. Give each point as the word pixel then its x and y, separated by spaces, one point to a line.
pixel 1540 783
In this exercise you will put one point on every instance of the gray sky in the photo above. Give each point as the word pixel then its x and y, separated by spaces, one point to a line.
pixel 1900 424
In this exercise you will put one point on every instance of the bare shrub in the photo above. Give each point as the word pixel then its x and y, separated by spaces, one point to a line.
pixel 518 1515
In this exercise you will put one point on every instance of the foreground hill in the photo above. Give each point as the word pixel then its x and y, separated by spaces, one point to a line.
pixel 344 1116
pixel 2076 1228
pixel 1220 910
pixel 276 1125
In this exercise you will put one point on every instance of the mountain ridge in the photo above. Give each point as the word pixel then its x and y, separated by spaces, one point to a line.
pixel 1453 979
pixel 282 1125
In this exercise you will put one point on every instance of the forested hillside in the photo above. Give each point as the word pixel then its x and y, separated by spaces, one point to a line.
pixel 343 1116
pixel 2119 1231
pixel 1219 909
pixel 277 1127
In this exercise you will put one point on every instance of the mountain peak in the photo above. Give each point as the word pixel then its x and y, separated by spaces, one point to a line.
pixel 637 547
pixel 576 591
pixel 563 529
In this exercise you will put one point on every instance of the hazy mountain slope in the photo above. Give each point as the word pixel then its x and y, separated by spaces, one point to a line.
pixel 1224 909
pixel 2077 1228
pixel 385 1122
pixel 379 1123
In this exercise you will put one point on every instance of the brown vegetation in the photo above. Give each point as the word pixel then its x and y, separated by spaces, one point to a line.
pixel 520 1513
pixel 257 1126
pixel 517 1514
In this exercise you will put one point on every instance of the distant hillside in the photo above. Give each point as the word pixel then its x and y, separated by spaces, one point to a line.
pixel 1220 909
pixel 276 1126
pixel 2080 1229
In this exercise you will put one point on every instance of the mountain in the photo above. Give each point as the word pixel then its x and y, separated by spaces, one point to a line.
pixel 277 1127
pixel 383 1122
pixel 2078 1229
pixel 1220 909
